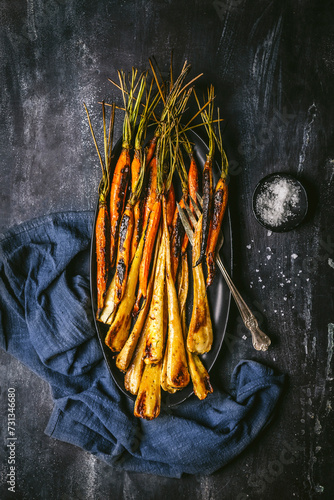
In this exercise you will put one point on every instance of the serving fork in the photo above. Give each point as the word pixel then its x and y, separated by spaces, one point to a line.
pixel 260 340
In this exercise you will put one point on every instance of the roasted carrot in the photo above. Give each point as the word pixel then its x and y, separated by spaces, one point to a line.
pixel 118 190
pixel 151 189
pixel 177 237
pixel 102 260
pixel 121 174
pixel 207 184
pixel 102 227
pixel 137 209
pixel 150 236
pixel 193 189
pixel 123 252
pixel 219 208
pixel 137 166
pixel 150 148
pixel 170 207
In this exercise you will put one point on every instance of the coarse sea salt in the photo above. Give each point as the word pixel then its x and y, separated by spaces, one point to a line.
pixel 277 200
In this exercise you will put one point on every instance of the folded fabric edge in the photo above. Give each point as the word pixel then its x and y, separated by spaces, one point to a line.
pixel 36 222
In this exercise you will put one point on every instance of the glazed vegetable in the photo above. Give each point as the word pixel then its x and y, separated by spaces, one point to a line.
pixel 108 312
pixel 207 183
pixel 102 227
pixel 193 189
pixel 134 373
pixel 121 174
pixel 170 207
pixel 139 165
pixel 177 237
pixel 124 357
pixel 219 208
pixel 198 373
pixel 116 338
pixel 148 400
pixel 155 333
pixel 200 334
pixel 151 231
pixel 177 369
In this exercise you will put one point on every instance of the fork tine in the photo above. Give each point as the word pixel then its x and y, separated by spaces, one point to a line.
pixel 190 214
pixel 199 199
pixel 186 224
pixel 196 207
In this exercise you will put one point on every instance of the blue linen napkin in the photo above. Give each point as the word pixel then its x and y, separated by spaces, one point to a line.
pixel 46 323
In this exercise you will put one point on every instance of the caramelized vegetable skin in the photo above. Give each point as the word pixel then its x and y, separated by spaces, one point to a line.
pixel 123 253
pixel 148 400
pixel 198 373
pixel 116 336
pixel 118 190
pixel 207 206
pixel 155 333
pixel 102 258
pixel 177 368
pixel 219 208
pixel 200 334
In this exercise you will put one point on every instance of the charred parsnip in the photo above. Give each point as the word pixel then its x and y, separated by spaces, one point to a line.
pixel 198 373
pixel 177 368
pixel 200 334
pixel 155 333
pixel 148 400
pixel 116 338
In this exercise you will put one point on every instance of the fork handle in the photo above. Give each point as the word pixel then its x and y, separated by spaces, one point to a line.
pixel 260 340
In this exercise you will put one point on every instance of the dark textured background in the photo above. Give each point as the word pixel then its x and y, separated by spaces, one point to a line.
pixel 272 63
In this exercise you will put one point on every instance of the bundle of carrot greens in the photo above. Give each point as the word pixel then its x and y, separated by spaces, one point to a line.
pixel 141 246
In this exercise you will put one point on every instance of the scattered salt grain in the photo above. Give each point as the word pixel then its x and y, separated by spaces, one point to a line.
pixel 294 256
pixel 268 257
pixel 277 201
pixel 249 247
pixel 269 233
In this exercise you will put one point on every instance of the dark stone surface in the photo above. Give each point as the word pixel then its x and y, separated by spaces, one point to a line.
pixel 272 65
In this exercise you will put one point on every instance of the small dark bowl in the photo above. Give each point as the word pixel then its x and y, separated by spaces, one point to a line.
pixel 294 208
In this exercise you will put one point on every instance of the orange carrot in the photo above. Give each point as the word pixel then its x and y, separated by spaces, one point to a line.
pixel 150 149
pixel 170 207
pixel 219 207
pixel 102 257
pixel 123 253
pixel 150 234
pixel 193 189
pixel 151 190
pixel 137 210
pixel 118 190
pixel 176 240
pixel 102 227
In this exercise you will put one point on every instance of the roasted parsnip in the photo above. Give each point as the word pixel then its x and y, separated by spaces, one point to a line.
pixel 114 336
pixel 200 334
pixel 177 368
pixel 148 400
pixel 155 333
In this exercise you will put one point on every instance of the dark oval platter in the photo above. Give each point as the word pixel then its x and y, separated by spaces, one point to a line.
pixel 219 295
